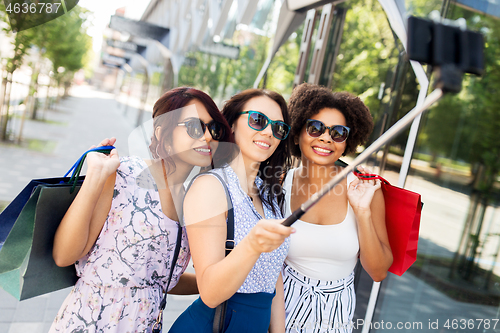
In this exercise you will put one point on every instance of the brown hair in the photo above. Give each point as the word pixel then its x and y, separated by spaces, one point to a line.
pixel 175 99
pixel 272 169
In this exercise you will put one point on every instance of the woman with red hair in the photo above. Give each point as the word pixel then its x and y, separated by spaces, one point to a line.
pixel 122 229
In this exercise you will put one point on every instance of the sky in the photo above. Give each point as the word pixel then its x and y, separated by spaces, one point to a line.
pixel 103 9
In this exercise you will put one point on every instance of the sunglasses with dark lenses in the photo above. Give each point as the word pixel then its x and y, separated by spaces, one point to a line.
pixel 316 128
pixel 196 128
pixel 259 121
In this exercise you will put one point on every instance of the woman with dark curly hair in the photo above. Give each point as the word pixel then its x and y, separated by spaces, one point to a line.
pixel 349 222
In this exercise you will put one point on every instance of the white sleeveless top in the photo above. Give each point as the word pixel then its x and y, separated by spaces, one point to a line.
pixel 322 252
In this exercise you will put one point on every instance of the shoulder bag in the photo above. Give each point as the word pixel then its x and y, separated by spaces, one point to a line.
pixel 220 310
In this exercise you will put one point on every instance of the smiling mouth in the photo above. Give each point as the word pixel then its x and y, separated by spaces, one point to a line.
pixel 203 150
pixel 322 150
pixel 262 144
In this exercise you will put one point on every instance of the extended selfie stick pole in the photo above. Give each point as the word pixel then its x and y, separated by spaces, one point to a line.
pixel 447 47
pixel 386 137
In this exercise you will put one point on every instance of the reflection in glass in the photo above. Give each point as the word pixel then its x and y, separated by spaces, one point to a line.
pixel 455 283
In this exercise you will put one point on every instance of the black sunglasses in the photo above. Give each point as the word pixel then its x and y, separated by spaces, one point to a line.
pixel 196 128
pixel 259 121
pixel 316 128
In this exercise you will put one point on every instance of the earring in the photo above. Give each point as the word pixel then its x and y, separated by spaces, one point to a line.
pixel 169 151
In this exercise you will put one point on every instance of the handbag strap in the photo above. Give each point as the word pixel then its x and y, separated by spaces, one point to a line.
pixel 220 310
pixel 159 320
pixel 176 251
pixel 219 317
pixel 163 303
pixel 157 326
pixel 229 246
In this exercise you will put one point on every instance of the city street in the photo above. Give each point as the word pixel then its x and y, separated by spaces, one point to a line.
pixel 367 66
pixel 51 146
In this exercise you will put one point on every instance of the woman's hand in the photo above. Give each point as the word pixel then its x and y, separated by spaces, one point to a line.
pixel 219 276
pixel 369 207
pixel 268 235
pixel 361 191
pixel 103 163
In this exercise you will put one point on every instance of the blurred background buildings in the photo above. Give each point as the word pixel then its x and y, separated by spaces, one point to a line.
pixel 450 155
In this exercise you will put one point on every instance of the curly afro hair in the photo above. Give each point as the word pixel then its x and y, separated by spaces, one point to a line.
pixel 308 99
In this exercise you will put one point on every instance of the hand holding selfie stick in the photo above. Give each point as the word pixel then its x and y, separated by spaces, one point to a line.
pixel 386 137
pixel 453 51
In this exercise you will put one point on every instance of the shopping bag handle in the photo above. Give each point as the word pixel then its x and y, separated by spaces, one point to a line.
pixel 370 176
pixel 375 176
pixel 77 167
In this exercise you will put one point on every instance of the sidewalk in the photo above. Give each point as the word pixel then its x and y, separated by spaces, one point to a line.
pixel 81 120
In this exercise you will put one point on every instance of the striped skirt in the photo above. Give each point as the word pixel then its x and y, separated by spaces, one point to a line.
pixel 315 306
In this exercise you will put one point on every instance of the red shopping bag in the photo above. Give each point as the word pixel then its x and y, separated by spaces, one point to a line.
pixel 402 219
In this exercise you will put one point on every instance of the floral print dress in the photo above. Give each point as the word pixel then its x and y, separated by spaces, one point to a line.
pixel 123 276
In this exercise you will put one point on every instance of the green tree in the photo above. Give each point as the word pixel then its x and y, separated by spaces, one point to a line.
pixel 250 62
pixel 481 140
pixel 444 128
pixel 281 72
pixel 66 42
pixel 485 118
pixel 205 75
pixel 471 119
pixel 21 42
pixel 63 41
pixel 367 53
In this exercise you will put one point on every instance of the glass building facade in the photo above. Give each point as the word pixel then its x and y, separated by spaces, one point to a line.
pixel 454 284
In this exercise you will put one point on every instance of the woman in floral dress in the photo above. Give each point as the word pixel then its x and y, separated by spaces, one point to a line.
pixel 121 230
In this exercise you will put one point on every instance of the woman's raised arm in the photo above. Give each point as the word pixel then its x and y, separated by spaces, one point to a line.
pixel 84 219
pixel 367 201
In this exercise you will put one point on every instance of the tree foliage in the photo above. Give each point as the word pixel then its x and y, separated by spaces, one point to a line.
pixel 21 42
pixel 484 103
pixel 66 41
pixel 63 41
pixel 465 126
pixel 281 72
pixel 368 53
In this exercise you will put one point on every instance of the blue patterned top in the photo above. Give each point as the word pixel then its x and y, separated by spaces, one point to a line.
pixel 265 272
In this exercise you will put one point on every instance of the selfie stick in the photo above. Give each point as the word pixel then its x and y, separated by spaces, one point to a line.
pixel 382 140
pixel 447 47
